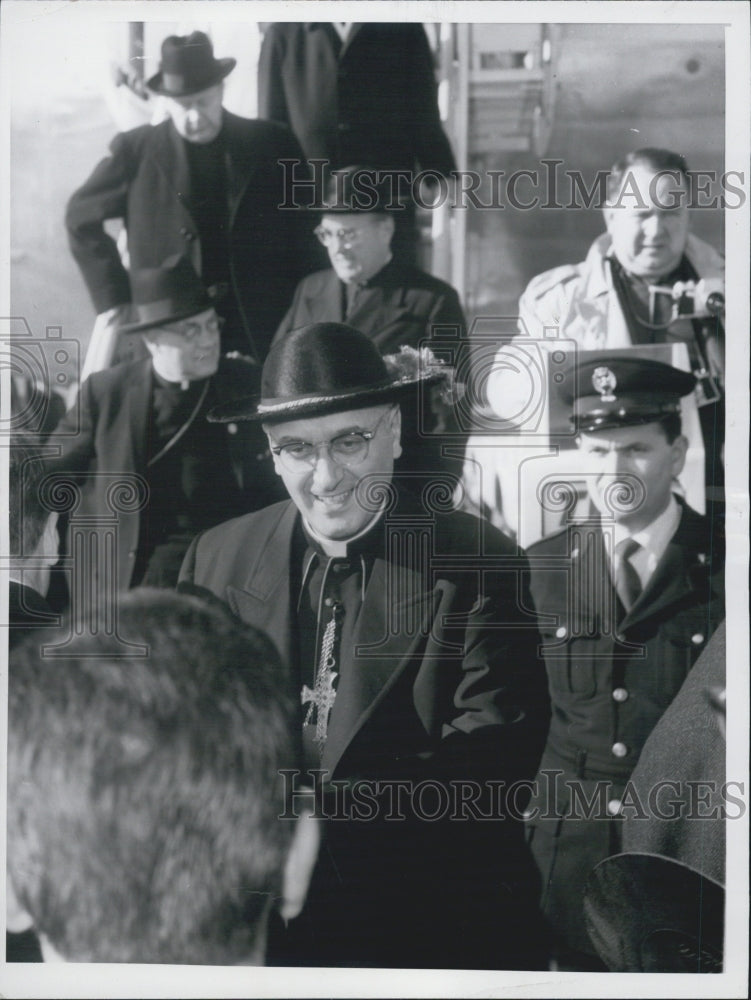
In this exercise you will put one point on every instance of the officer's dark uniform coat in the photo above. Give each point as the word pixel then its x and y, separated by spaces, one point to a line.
pixel 609 686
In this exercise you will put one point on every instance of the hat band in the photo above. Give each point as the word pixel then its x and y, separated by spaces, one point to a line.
pixel 179 82
pixel 272 405
pixel 162 310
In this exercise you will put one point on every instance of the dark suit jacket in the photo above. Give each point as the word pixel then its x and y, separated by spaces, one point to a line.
pixel 104 436
pixel 609 687
pixel 450 653
pixel 399 306
pixel 441 681
pixel 145 182
pixel 371 101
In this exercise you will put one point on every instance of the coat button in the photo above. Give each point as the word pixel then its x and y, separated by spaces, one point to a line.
pixel 620 694
pixel 232 428
pixel 697 639
pixel 329 602
pixel 614 807
pixel 619 749
pixel 561 633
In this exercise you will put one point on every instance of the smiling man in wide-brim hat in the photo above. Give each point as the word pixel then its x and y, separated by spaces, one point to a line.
pixel 329 405
pixel 371 587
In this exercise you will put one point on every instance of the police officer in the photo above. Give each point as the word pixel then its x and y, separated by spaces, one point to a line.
pixel 628 599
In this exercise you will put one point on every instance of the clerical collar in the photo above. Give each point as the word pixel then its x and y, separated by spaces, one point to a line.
pixel 339 548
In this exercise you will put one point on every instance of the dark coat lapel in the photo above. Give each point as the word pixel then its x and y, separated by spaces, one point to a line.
pixel 378 308
pixel 323 302
pixel 263 599
pixel 169 153
pixel 394 622
pixel 240 166
pixel 351 35
pixel 133 419
pixel 672 580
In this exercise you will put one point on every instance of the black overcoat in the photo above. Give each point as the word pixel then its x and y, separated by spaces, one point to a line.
pixel 145 182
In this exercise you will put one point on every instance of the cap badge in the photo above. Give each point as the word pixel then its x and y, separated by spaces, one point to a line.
pixel 604 382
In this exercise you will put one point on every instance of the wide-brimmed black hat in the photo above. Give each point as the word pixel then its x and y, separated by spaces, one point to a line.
pixel 188 66
pixel 648 913
pixel 360 189
pixel 166 294
pixel 606 390
pixel 319 369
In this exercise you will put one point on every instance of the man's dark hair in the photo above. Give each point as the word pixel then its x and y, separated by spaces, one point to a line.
pixel 650 156
pixel 671 426
pixel 28 515
pixel 144 791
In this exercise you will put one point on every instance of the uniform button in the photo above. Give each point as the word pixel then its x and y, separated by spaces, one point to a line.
pixel 343 126
pixel 561 633
pixel 619 749
pixel 232 428
pixel 614 807
pixel 620 694
pixel 329 602
pixel 697 639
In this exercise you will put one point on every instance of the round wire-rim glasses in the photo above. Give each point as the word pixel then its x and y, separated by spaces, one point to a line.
pixel 348 449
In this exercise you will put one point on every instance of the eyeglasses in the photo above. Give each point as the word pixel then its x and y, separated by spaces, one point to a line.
pixel 349 236
pixel 346 449
pixel 193 331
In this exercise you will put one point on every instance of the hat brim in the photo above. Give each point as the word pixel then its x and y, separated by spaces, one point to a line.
pixel 648 913
pixel 164 320
pixel 223 68
pixel 255 408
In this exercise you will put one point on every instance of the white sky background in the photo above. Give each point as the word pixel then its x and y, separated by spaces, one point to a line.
pixel 69 43
pixel 77 53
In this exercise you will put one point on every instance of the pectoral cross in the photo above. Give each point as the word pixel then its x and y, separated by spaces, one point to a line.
pixel 322 697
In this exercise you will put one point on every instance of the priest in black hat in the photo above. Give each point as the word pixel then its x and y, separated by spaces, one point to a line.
pixel 628 598
pixel 147 418
pixel 204 183
pixel 415 656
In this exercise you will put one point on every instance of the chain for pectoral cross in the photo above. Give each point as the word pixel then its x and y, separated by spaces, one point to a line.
pixel 322 696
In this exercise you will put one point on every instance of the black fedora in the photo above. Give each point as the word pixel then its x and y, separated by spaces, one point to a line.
pixel 319 369
pixel 188 66
pixel 166 294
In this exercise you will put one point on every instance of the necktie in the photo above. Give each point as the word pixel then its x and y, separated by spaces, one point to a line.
pixel 627 582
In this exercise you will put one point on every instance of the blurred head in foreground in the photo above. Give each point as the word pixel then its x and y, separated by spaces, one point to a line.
pixel 144 792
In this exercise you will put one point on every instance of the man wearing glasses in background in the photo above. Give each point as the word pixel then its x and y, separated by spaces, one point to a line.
pixel 415 657
pixel 148 418
pixel 392 302
pixel 388 299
